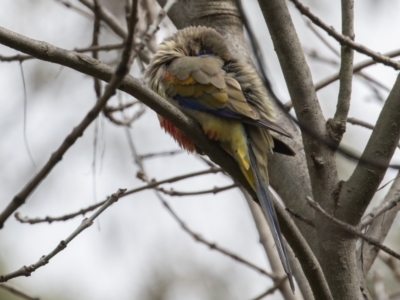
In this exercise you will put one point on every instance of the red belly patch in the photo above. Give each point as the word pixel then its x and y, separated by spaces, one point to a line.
pixel 178 136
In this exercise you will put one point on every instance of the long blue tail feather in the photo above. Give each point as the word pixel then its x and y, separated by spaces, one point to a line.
pixel 270 215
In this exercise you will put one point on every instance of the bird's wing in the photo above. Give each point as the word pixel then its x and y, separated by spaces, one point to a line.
pixel 200 83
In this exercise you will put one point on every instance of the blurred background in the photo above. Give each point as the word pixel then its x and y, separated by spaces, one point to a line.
pixel 136 250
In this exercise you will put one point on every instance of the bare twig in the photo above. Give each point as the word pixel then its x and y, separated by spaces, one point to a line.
pixel 337 125
pixel 322 38
pixel 116 80
pixel 214 190
pixel 127 121
pixel 75 7
pixel 17 292
pixel 121 107
pixel 344 39
pixel 377 211
pixel 258 54
pixel 361 123
pixel 353 230
pixel 300 217
pixel 155 25
pixel 272 289
pixel 364 124
pixel 86 223
pixel 95 43
pixel 23 57
pixel 83 211
pixel 108 18
pixel 161 154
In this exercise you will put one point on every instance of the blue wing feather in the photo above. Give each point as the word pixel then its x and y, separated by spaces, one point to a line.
pixel 193 103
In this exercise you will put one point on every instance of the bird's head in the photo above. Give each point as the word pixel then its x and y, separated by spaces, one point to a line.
pixel 197 41
pixel 190 41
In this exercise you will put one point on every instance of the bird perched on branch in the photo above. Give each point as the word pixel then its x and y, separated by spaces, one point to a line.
pixel 195 71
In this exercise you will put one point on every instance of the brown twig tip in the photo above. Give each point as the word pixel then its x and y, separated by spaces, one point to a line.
pixel 120 192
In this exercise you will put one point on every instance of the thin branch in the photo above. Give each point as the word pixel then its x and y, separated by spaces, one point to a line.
pixel 272 289
pixel 108 18
pixel 17 292
pixel 155 26
pixel 162 154
pixel 355 121
pixel 214 190
pixel 322 38
pixel 128 121
pixel 95 43
pixel 22 57
pixel 344 40
pixel 377 211
pixel 75 7
pixel 86 223
pixel 153 183
pixel 97 90
pixel 353 230
pixel 121 107
pixel 300 217
pixel 116 80
pixel 337 126
pixel 258 54
pixel 361 123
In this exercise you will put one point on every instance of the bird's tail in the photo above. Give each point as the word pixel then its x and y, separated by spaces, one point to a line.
pixel 270 215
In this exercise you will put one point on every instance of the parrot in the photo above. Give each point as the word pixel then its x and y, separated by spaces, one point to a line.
pixel 194 70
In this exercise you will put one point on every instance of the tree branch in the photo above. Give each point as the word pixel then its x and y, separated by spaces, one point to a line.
pixel 337 126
